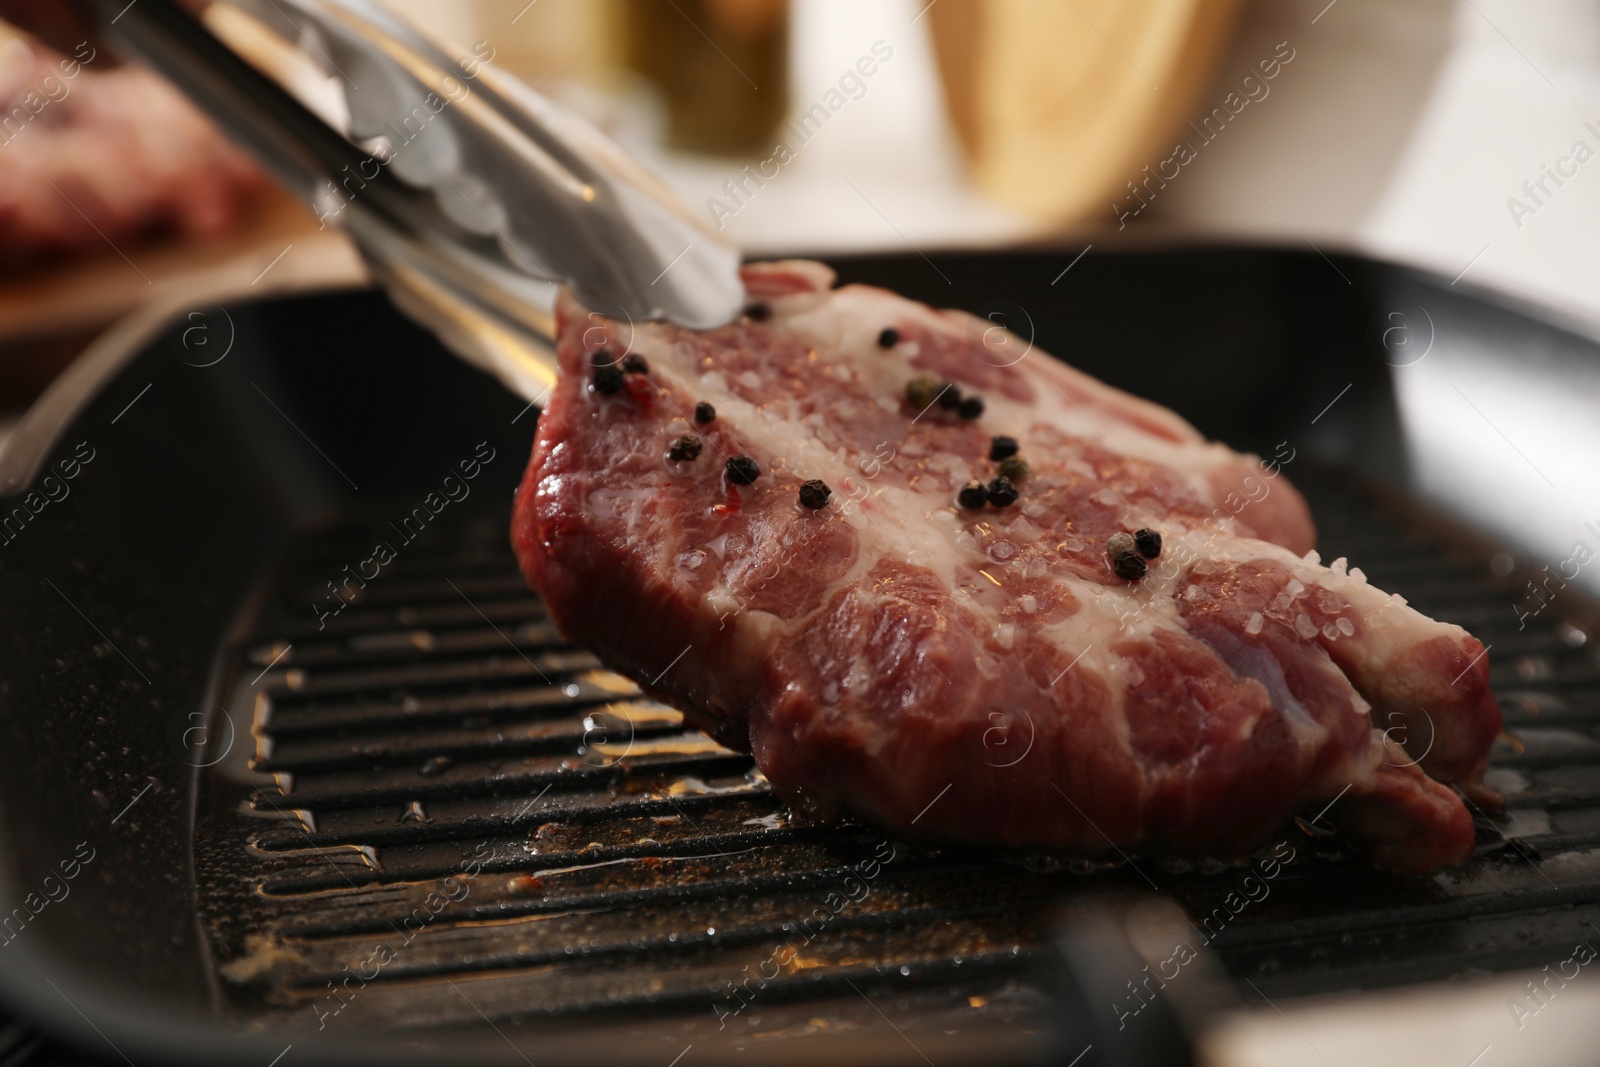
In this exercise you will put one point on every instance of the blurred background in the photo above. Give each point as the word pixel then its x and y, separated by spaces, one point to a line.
pixel 1455 136
pixel 1451 134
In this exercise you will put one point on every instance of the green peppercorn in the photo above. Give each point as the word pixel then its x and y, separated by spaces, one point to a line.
pixel 921 392
pixel 1015 468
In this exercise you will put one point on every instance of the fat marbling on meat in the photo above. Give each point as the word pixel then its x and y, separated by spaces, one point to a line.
pixel 982 675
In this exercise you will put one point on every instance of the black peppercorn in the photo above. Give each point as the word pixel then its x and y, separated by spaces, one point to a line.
pixel 888 337
pixel 1129 566
pixel 1148 542
pixel 601 358
pixel 704 413
pixel 1003 447
pixel 635 364
pixel 949 396
pixel 758 312
pixel 970 407
pixel 608 379
pixel 972 495
pixel 742 470
pixel 815 493
pixel 684 448
pixel 1001 492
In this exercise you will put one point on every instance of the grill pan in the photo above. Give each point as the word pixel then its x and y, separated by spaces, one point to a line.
pixel 421 828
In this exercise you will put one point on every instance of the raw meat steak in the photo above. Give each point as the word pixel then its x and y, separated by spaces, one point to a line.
pixel 95 156
pixel 984 674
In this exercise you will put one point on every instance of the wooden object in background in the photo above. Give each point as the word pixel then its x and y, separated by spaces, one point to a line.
pixel 722 67
pixel 1059 103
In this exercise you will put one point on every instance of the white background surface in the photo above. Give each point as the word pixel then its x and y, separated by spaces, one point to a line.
pixel 1400 129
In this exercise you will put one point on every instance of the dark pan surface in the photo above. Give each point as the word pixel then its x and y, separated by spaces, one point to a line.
pixel 628 865
pixel 433 794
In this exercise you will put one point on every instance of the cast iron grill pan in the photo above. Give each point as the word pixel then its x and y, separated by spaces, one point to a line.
pixel 614 875
pixel 629 865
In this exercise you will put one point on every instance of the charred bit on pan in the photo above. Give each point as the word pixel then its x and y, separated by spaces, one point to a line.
pixel 742 470
pixel 685 448
pixel 815 493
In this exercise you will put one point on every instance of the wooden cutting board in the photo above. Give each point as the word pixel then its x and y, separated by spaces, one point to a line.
pixel 277 246
pixel 1059 103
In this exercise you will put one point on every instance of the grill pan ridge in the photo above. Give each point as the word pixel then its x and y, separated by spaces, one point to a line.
pixel 613 854
pixel 432 812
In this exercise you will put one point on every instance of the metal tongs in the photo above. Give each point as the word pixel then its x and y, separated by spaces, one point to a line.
pixel 470 195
